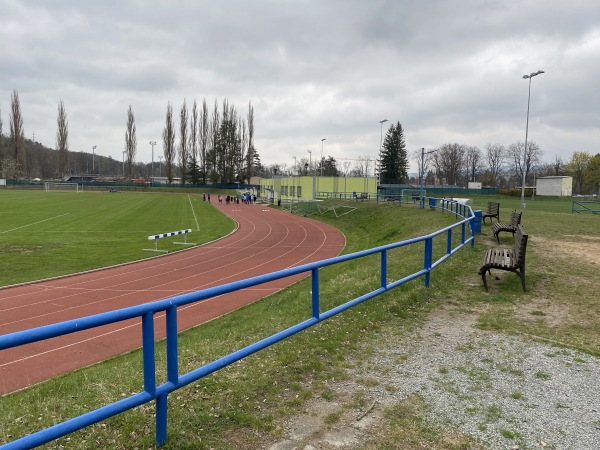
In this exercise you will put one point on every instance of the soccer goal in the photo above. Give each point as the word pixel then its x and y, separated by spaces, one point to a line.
pixel 51 186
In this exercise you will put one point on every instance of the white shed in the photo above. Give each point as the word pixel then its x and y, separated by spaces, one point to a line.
pixel 554 186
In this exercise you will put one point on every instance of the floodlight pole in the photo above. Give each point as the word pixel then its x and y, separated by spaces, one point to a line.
pixel 93 151
pixel 530 76
pixel 152 143
pixel 322 155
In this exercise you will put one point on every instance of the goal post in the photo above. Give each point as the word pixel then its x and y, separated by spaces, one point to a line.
pixel 56 186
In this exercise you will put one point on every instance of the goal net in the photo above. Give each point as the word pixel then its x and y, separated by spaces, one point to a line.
pixel 50 186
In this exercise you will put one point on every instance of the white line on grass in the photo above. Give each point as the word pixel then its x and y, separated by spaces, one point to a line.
pixel 34 223
pixel 194 213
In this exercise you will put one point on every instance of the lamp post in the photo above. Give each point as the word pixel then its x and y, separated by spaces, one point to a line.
pixel 160 158
pixel 152 143
pixel 93 151
pixel 322 155
pixel 530 76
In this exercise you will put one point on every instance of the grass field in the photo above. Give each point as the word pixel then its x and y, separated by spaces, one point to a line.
pixel 245 405
pixel 46 234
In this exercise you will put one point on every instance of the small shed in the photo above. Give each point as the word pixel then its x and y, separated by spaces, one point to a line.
pixel 559 186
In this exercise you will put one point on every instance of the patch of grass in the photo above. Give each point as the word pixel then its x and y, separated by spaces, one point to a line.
pixel 406 426
pixel 517 395
pixel 48 234
pixel 541 375
pixel 333 417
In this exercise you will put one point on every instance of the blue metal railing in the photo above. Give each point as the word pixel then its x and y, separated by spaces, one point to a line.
pixel 147 313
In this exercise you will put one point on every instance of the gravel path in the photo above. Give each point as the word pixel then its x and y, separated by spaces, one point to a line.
pixel 508 392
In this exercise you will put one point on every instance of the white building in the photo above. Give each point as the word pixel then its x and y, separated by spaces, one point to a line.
pixel 554 186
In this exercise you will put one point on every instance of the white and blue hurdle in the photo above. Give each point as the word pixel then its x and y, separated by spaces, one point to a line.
pixel 156 237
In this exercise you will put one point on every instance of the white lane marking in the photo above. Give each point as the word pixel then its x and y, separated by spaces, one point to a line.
pixel 34 223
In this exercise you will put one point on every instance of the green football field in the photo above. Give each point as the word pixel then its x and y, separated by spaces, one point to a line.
pixel 46 234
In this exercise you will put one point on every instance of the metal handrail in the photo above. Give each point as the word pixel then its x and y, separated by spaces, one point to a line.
pixel 170 306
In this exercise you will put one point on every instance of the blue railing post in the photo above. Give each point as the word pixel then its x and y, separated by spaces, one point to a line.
pixel 161 420
pixel 148 352
pixel 316 310
pixel 449 242
pixel 384 269
pixel 172 345
pixel 428 259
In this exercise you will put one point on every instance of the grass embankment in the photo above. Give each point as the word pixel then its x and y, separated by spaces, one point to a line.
pixel 47 234
pixel 243 405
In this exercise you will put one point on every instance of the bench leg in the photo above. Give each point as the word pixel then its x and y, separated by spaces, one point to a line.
pixel 484 280
pixel 522 276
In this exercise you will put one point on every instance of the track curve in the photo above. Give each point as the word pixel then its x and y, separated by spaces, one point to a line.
pixel 266 240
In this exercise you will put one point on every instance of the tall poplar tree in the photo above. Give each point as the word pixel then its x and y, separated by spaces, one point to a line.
pixel 169 143
pixel 183 144
pixel 17 133
pixel 62 139
pixel 130 142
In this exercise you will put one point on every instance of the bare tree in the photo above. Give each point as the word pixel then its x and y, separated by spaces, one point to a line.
pixel 193 148
pixel 62 139
pixel 169 143
pixel 212 156
pixel 473 160
pixel 17 133
pixel 242 161
pixel 251 150
pixel 183 141
pixel 204 133
pixel 448 160
pixel 130 142
pixel 495 156
pixel 526 163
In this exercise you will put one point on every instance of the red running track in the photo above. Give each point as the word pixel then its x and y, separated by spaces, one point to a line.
pixel 266 240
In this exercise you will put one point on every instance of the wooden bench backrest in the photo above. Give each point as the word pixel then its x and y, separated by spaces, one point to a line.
pixel 515 218
pixel 520 246
pixel 493 207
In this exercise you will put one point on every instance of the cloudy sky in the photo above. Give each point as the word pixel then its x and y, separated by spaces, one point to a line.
pixel 448 71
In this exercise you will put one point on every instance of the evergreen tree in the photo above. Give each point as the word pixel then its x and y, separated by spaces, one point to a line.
pixel 393 163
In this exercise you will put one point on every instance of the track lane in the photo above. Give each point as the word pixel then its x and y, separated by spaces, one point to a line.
pixel 266 240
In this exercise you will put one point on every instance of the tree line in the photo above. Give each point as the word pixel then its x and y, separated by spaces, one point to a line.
pixel 216 145
pixel 504 167
pixel 206 146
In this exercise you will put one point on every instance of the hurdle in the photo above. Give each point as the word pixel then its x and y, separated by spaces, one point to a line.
pixel 156 237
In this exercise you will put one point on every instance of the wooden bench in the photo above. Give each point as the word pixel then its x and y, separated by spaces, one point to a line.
pixel 511 227
pixel 492 211
pixel 510 259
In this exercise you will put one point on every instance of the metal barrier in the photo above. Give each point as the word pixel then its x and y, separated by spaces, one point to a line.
pixel 582 207
pixel 147 312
